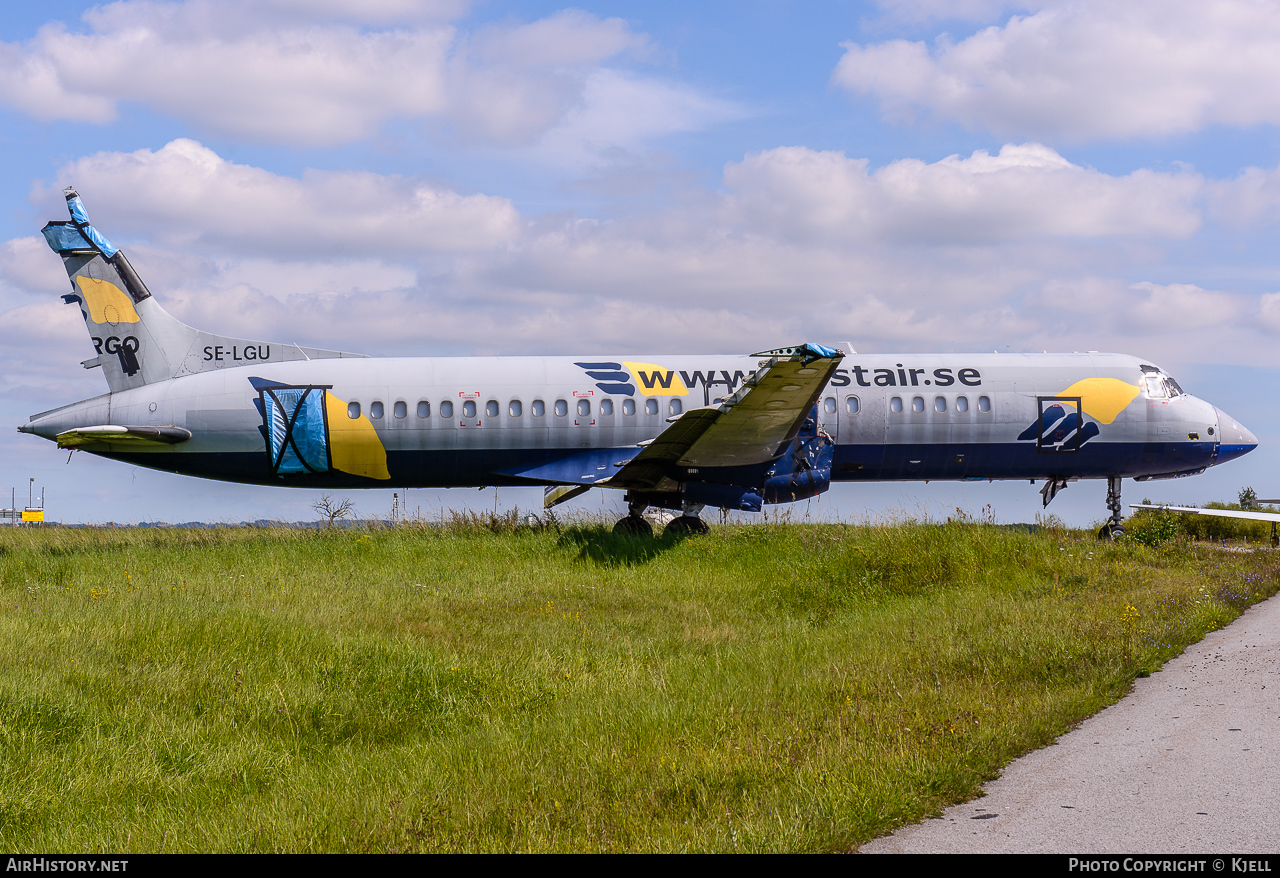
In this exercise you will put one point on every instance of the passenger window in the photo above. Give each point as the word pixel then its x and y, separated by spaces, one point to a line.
pixel 469 409
pixel 675 407
pixel 895 404
pixel 606 406
pixel 539 408
pixel 400 410
pixel 628 406
pixel 962 403
pixel 515 409
pixel 830 405
pixel 491 408
pixel 446 409
pixel 375 410
pixel 353 410
pixel 984 404
pixel 917 404
pixel 562 408
pixel 584 407
pixel 424 409
pixel 939 403
pixel 651 407
pixel 851 405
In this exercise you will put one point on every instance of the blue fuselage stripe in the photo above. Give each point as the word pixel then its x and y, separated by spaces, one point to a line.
pixel 853 463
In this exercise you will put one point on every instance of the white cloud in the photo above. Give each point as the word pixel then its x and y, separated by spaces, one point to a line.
pixel 258 72
pixel 25 265
pixel 1017 250
pixel 508 85
pixel 1269 311
pixel 315 85
pixel 185 194
pixel 1159 307
pixel 226 17
pixel 1253 197
pixel 619 110
pixel 1025 191
pixel 280 279
pixel 1087 69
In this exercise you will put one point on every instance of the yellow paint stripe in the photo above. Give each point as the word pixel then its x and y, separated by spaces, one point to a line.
pixel 654 380
pixel 354 446
pixel 107 302
pixel 1103 399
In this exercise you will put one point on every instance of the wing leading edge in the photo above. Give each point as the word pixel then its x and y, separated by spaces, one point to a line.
pixel 1218 513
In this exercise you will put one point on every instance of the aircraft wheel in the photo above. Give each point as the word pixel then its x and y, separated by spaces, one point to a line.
pixel 633 525
pixel 1111 531
pixel 686 525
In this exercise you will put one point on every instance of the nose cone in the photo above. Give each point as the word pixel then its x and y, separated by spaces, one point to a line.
pixel 1234 439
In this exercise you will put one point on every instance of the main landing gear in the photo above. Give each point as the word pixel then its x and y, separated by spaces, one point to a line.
pixel 1113 529
pixel 687 524
pixel 634 524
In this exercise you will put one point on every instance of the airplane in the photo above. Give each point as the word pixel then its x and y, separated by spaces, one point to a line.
pixel 672 432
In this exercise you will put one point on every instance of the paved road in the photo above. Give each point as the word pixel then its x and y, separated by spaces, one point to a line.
pixel 1189 762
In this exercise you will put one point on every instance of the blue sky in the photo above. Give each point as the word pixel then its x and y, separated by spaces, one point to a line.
pixel 450 178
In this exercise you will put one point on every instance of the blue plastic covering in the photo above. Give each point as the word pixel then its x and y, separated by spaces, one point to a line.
pixel 807 352
pixel 822 350
pixel 296 429
pixel 62 236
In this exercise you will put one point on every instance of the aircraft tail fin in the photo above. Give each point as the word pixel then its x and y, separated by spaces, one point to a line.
pixel 136 341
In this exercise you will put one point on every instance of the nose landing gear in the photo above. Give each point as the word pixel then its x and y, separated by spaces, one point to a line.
pixel 1113 529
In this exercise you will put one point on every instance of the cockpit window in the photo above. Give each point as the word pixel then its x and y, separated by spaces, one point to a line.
pixel 1160 386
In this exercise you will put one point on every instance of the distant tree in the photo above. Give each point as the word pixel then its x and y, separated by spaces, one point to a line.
pixel 1248 498
pixel 332 509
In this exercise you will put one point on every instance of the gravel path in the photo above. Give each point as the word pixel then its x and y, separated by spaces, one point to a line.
pixel 1189 762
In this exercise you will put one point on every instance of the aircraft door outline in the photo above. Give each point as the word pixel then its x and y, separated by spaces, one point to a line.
pixel 296 428
pixel 829 416
pixel 1061 430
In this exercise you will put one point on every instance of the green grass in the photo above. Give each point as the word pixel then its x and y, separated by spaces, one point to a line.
pixel 763 688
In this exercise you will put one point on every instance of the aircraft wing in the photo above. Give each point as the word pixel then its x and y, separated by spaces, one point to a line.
pixel 1220 513
pixel 752 426
pixel 122 435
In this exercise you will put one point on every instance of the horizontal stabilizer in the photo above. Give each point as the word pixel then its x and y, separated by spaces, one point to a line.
pixel 122 435
pixel 554 495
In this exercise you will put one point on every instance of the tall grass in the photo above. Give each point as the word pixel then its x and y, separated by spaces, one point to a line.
pixel 481 686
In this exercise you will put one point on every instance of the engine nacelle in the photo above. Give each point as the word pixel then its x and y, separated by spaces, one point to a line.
pixel 803 472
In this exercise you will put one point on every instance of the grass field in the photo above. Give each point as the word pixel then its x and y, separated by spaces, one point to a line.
pixel 412 688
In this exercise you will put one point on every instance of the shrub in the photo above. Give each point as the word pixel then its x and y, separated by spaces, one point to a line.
pixel 1152 527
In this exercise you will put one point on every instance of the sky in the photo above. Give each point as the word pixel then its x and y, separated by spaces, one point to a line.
pixel 452 178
